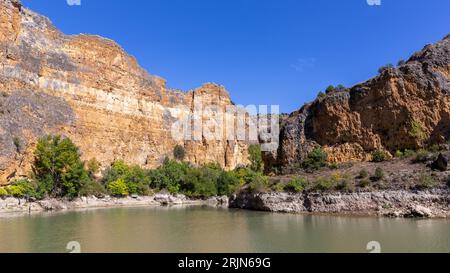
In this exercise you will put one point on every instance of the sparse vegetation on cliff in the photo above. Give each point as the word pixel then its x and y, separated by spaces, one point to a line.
pixel 385 67
pixel 179 153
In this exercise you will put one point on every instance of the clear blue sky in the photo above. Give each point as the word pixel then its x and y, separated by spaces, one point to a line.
pixel 263 51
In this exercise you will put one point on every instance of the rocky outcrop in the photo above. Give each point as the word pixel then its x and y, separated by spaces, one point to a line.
pixel 11 205
pixel 434 203
pixel 87 88
pixel 407 107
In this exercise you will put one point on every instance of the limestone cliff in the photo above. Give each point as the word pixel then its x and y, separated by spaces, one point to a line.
pixel 407 107
pixel 86 87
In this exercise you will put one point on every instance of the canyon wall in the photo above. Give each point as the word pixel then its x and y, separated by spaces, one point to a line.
pixel 89 89
pixel 404 107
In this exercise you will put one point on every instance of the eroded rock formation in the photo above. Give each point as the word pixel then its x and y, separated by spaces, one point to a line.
pixel 407 107
pixel 86 87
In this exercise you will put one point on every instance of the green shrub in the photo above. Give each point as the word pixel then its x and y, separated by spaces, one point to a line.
pixel 93 188
pixel 296 185
pixel 323 184
pixel 409 153
pixel 315 160
pixel 426 181
pixel 228 183
pixel 421 156
pixel 3 192
pixel 399 154
pixel 321 95
pixel 279 187
pixel 58 168
pixel 136 178
pixel 386 67
pixel 340 87
pixel 434 148
pixel 118 188
pixel 21 188
pixel 343 185
pixel 363 174
pixel 378 156
pixel 417 131
pixel 364 183
pixel 259 183
pixel 255 157
pixel 379 174
pixel 201 182
pixel 333 166
pixel 330 89
pixel 179 153
pixel 170 176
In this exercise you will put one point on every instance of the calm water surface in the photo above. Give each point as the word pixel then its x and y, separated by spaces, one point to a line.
pixel 200 229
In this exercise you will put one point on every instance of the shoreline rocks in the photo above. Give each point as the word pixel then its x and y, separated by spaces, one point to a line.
pixel 16 205
pixel 402 203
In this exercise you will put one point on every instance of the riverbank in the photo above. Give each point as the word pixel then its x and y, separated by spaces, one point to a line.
pixel 18 206
pixel 395 203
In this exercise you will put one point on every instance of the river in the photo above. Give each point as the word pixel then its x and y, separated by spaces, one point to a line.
pixel 202 229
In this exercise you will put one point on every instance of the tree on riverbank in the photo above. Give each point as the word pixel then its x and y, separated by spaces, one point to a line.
pixel 58 168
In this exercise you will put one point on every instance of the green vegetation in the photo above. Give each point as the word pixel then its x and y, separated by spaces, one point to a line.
pixel 379 174
pixel 399 154
pixel 417 131
pixel 315 160
pixel 179 153
pixel 21 188
pixel 379 156
pixel 17 143
pixel 421 156
pixel 118 188
pixel 59 172
pixel 321 95
pixel 363 174
pixel 58 168
pixel 134 178
pixel 296 185
pixel 255 157
pixel 340 87
pixel 3 192
pixel 426 181
pixel 386 67
pixel 364 183
pixel 330 89
pixel 337 181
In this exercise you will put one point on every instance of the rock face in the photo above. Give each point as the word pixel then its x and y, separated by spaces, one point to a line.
pixel 87 88
pixel 407 107
pixel 382 203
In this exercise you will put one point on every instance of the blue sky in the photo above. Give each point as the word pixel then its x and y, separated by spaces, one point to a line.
pixel 263 51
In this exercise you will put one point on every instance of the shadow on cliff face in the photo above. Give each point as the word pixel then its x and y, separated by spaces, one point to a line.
pixel 25 115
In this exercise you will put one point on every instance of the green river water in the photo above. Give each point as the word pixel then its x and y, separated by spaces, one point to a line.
pixel 204 230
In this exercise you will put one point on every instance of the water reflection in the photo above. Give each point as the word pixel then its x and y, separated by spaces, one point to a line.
pixel 199 229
